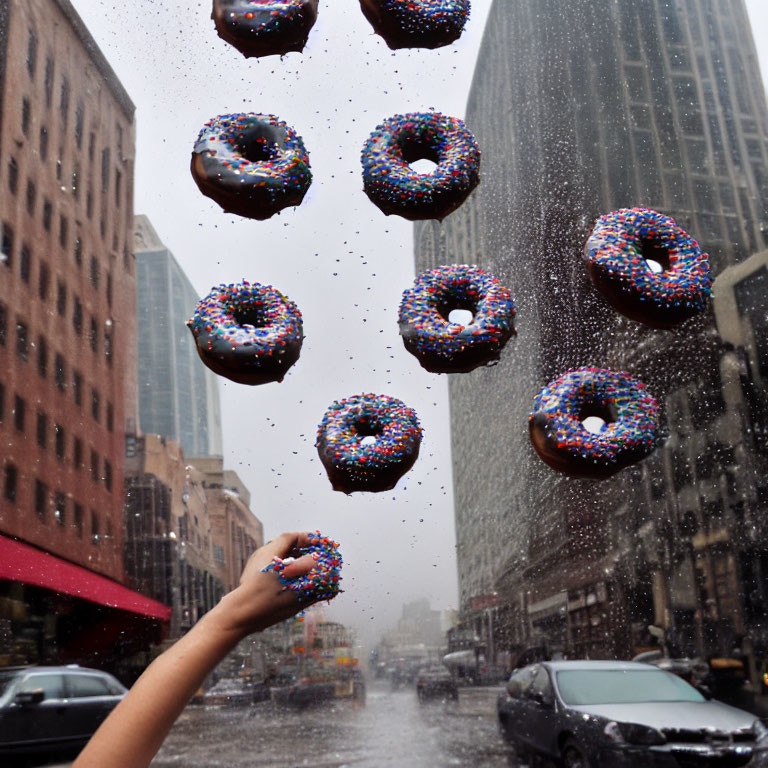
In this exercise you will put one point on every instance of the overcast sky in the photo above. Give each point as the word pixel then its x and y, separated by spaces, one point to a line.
pixel 343 262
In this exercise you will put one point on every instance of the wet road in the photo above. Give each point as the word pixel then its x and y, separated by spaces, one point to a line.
pixel 391 729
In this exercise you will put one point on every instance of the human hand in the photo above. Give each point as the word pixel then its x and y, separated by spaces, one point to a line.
pixel 261 600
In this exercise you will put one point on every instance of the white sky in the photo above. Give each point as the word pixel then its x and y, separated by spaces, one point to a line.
pixel 343 262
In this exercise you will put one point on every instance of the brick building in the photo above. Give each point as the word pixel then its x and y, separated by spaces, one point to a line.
pixel 67 316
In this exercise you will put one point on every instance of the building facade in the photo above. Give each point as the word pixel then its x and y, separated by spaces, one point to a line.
pixel 67 331
pixel 178 395
pixel 582 107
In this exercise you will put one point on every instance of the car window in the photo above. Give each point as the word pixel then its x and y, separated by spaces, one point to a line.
pixel 51 685
pixel 520 681
pixel 5 680
pixel 604 686
pixel 541 685
pixel 82 686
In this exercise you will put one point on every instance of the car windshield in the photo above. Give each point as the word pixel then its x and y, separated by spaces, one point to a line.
pixel 5 680
pixel 619 686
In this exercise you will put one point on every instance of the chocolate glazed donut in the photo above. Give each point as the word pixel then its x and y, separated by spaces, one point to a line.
pixel 265 27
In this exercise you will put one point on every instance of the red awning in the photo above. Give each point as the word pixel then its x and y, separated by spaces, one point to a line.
pixel 20 562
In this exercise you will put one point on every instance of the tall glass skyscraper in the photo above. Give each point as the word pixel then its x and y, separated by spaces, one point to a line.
pixel 178 395
pixel 582 107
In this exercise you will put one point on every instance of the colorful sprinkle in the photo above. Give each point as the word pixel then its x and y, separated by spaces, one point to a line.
pixel 620 271
pixel 251 165
pixel 631 432
pixel 247 332
pixel 445 347
pixel 417 23
pixel 356 464
pixel 391 183
pixel 323 582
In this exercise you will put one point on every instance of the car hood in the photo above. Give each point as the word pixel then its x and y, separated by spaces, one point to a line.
pixel 689 715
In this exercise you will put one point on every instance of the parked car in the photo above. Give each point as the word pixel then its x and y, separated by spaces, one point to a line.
pixel 590 714
pixel 43 708
pixel 436 682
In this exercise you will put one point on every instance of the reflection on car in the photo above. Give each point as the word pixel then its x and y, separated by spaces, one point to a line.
pixel 45 708
pixel 589 714
pixel 436 682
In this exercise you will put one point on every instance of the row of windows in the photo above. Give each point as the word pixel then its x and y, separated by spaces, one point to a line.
pixel 77 389
pixel 62 507
pixel 25 268
pixel 23 341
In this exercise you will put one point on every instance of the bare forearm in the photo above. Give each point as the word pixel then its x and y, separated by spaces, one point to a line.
pixel 132 734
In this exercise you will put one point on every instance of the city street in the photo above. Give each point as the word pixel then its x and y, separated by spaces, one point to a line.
pixel 391 729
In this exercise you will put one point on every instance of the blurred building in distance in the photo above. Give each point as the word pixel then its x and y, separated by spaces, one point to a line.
pixel 583 107
pixel 67 343
pixel 178 395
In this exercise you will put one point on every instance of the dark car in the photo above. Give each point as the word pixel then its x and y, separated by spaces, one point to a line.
pixel 436 682
pixel 45 708
pixel 589 714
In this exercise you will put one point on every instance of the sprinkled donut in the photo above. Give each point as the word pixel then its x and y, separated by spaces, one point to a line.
pixel 251 165
pixel 395 187
pixel 247 332
pixel 445 347
pixel 265 27
pixel 631 415
pixel 417 23
pixel 617 253
pixel 323 581
pixel 354 464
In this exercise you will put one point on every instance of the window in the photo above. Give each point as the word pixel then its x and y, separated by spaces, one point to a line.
pixel 77 317
pixel 105 169
pixel 61 298
pixel 19 411
pixel 2 401
pixel 31 197
pixel 79 520
pixel 78 251
pixel 42 357
pixel 108 475
pixel 94 528
pixel 94 466
pixel 86 686
pixel 77 453
pixel 118 185
pixel 25 263
pixel 42 429
pixel 51 684
pixel 60 442
pixel 44 281
pixel 47 215
pixel 77 386
pixel 95 405
pixel 76 182
pixel 41 498
pixel 32 54
pixel 3 323
pixel 60 371
pixel 64 102
pixel 93 335
pixel 10 480
pixel 13 176
pixel 43 143
pixel 63 231
pixel 94 272
pixel 109 288
pixel 110 417
pixel 26 115
pixel 22 340
pixel 6 248
pixel 79 119
pixel 48 80
pixel 108 345
pixel 60 508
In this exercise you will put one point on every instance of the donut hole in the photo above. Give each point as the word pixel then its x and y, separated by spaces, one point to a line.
pixel 368 430
pixel 252 315
pixel 260 143
pixel 454 310
pixel 655 255
pixel 422 157
pixel 595 417
pixel 461 317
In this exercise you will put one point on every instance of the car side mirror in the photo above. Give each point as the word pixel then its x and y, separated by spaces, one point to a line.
pixel 541 699
pixel 29 698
